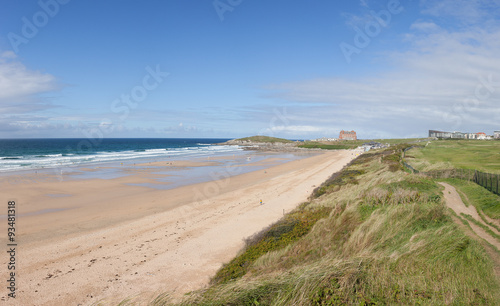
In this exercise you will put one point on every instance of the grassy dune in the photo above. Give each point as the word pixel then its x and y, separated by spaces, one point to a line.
pixel 462 154
pixel 371 234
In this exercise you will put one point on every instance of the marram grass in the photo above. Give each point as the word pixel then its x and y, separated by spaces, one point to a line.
pixel 379 237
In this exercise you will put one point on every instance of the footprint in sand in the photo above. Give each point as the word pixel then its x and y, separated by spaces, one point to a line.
pixel 92 261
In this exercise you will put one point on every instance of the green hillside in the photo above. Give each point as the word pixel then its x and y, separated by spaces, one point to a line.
pixel 370 235
pixel 463 154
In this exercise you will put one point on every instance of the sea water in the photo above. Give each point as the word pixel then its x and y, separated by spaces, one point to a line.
pixel 29 154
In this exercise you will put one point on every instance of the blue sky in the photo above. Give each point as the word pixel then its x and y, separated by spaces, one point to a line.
pixel 232 68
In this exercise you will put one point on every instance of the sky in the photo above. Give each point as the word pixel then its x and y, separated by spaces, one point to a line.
pixel 235 68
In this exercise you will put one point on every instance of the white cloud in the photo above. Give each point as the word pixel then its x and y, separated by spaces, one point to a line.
pixel 8 55
pixel 425 26
pixel 356 20
pixel 447 79
pixel 466 11
pixel 297 128
pixel 20 87
pixel 20 99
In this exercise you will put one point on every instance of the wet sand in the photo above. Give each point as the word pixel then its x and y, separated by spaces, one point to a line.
pixel 84 241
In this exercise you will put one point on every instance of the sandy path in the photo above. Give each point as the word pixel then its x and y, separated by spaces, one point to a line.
pixel 167 247
pixel 454 202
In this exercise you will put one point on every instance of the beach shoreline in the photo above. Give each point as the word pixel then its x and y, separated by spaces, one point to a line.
pixel 97 243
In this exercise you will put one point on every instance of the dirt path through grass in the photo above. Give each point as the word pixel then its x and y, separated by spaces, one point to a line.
pixel 454 202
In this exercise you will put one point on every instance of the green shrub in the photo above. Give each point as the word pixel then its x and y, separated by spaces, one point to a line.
pixel 284 232
pixel 344 177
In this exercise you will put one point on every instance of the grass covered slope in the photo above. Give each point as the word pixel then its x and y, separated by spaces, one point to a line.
pixel 370 234
pixel 462 154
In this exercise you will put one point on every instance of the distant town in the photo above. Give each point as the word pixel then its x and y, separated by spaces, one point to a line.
pixel 461 135
pixel 351 135
pixel 344 135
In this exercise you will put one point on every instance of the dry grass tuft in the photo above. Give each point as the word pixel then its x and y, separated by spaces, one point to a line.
pixel 387 239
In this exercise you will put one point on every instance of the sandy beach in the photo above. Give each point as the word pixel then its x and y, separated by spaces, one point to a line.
pixel 82 241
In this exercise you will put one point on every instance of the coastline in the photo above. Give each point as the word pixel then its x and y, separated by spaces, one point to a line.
pixel 98 244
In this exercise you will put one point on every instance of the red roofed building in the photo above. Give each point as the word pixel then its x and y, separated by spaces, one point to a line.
pixel 348 135
pixel 481 135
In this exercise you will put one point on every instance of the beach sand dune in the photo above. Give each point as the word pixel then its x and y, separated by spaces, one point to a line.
pixel 106 241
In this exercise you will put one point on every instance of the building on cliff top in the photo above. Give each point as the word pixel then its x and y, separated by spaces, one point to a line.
pixel 348 135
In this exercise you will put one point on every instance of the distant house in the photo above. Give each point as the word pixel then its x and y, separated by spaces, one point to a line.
pixel 348 135
pixel 324 139
pixel 367 146
pixel 496 134
pixel 440 134
pixel 481 136
pixel 471 136
pixel 457 135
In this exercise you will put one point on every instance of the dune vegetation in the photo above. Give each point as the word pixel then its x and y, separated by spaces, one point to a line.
pixel 371 234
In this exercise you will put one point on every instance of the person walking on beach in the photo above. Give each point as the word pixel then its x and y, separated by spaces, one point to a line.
pixel 261 202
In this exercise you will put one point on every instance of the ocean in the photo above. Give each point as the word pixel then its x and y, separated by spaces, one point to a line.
pixel 30 154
